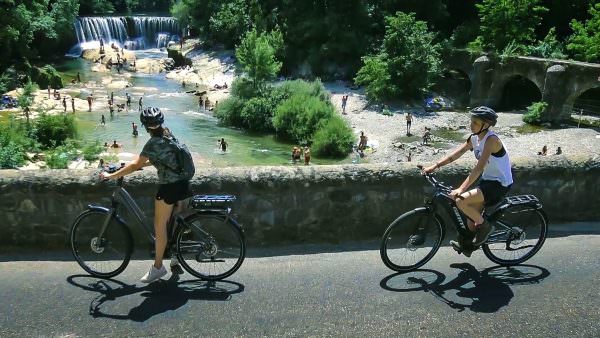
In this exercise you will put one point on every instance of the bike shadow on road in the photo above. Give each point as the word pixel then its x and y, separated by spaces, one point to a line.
pixel 485 291
pixel 158 297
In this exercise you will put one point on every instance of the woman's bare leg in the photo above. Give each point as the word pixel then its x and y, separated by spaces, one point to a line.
pixel 472 206
pixel 162 213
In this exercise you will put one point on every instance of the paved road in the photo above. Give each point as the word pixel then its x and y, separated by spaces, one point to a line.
pixel 345 294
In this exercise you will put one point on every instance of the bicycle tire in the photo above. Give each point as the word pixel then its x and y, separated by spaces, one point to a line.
pixel 201 240
pixel 82 237
pixel 492 253
pixel 402 228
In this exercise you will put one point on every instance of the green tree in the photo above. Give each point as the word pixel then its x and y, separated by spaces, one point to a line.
pixel 33 29
pixel 230 23
pixel 584 44
pixel 26 97
pixel 407 63
pixel 550 47
pixel 333 139
pixel 504 21
pixel 256 54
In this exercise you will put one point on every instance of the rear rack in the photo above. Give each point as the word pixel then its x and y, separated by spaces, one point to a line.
pixel 211 201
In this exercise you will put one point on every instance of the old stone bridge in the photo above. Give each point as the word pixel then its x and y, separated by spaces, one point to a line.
pixel 515 82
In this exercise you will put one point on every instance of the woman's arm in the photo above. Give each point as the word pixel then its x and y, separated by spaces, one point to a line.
pixel 455 155
pixel 139 162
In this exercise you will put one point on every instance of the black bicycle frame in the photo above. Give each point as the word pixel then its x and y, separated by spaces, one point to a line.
pixel 120 194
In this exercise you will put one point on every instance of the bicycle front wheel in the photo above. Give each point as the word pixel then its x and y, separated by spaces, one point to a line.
pixel 210 247
pixel 520 233
pixel 101 256
pixel 411 240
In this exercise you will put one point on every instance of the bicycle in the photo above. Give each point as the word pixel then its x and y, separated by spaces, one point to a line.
pixel 413 239
pixel 206 239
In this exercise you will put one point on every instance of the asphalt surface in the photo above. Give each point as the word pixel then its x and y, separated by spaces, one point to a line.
pixel 340 294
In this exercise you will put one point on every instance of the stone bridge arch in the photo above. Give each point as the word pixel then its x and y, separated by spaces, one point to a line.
pixel 559 82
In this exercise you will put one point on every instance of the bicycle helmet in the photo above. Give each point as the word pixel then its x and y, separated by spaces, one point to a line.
pixel 485 113
pixel 151 117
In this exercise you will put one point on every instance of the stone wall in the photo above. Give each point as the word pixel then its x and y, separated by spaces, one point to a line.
pixel 279 205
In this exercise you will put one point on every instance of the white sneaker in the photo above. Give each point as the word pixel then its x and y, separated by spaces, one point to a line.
pixel 154 274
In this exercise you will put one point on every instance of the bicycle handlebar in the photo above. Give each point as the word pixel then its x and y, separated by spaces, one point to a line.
pixel 434 182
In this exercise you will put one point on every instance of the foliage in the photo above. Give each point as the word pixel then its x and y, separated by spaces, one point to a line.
pixel 257 114
pixel 301 87
pixel 256 54
pixel 230 23
pixel 407 62
pixel 123 6
pixel 584 44
pixel 46 76
pixel 298 117
pixel 333 139
pixel 376 76
pixel 26 97
pixel 54 130
pixel 535 112
pixel 505 21
pixel 464 33
pixel 59 157
pixel 34 28
pixel 550 47
pixel 229 111
pixel 12 148
pixel 512 49
pixel 92 150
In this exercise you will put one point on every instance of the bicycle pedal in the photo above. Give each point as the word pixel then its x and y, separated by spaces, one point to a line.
pixel 456 248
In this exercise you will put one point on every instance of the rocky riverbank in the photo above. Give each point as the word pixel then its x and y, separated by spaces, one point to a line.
pixel 390 142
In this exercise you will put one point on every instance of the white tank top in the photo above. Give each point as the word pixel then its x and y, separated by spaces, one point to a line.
pixel 497 168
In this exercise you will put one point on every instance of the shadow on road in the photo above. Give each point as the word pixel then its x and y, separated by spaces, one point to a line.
pixel 479 291
pixel 158 297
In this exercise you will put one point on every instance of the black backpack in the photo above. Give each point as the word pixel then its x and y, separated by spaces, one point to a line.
pixel 185 163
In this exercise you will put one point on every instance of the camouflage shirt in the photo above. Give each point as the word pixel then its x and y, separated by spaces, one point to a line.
pixel 163 158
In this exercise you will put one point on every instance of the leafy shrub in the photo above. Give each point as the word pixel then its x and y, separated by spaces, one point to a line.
pixel 12 154
pixel 257 114
pixel 242 88
pixel 26 97
pixel 45 76
pixel 550 47
pixel 333 139
pixel 301 87
pixel 584 44
pixel 59 157
pixel 54 130
pixel 91 151
pixel 229 111
pixel 298 117
pixel 535 112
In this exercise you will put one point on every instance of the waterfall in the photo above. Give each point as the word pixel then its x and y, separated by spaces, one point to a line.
pixel 147 32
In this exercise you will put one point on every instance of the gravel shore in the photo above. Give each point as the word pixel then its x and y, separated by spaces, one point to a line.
pixel 449 129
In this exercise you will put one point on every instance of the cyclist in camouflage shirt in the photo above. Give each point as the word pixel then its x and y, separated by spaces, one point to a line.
pixel 174 187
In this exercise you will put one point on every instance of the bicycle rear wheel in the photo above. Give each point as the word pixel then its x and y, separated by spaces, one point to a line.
pixel 411 240
pixel 210 247
pixel 105 256
pixel 520 233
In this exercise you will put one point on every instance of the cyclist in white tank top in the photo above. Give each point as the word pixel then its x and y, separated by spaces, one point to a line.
pixel 493 165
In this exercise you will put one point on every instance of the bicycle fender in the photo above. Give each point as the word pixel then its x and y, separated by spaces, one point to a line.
pixel 93 207
pixel 97 208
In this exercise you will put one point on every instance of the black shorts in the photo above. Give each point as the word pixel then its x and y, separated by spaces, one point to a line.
pixel 493 192
pixel 171 193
